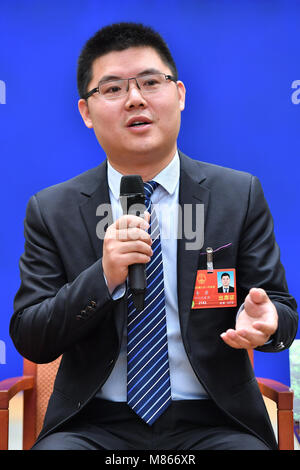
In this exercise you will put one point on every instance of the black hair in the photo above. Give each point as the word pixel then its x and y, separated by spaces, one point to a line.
pixel 118 37
pixel 225 274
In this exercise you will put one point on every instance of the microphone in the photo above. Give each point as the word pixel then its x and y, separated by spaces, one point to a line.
pixel 132 197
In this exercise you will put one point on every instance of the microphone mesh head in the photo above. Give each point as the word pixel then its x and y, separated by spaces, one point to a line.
pixel 131 184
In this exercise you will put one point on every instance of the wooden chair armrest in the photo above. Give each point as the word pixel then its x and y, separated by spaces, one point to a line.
pixel 277 392
pixel 10 387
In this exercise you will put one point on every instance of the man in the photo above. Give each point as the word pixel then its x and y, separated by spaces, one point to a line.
pixel 74 298
pixel 226 287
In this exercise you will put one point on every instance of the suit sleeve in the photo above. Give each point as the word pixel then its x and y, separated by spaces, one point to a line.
pixel 51 314
pixel 260 266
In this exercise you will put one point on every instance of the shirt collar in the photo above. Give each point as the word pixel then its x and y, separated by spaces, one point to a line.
pixel 168 178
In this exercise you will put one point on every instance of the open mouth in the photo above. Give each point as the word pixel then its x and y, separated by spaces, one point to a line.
pixel 137 124
pixel 139 121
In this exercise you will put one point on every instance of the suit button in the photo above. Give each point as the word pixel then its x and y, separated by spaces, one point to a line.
pixel 81 315
pixel 93 303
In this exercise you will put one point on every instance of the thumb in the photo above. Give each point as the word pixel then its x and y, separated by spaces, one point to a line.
pixel 258 296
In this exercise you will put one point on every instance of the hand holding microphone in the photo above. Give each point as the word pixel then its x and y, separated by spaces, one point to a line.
pixel 127 245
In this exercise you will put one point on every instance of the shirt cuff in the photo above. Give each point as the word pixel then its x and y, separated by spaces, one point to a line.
pixel 118 292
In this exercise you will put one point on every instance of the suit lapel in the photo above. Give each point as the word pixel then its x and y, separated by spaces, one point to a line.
pixel 92 210
pixel 97 215
pixel 191 192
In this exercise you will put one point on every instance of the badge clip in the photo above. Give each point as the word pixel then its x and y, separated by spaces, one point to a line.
pixel 209 261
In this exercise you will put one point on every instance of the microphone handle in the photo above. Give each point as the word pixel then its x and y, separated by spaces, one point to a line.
pixel 137 283
pixel 137 272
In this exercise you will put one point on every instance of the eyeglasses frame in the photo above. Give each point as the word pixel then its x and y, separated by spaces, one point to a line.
pixel 95 90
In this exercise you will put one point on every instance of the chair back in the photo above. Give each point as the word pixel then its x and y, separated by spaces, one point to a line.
pixel 37 398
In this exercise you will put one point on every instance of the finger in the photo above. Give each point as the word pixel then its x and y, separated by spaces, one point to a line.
pixel 135 257
pixel 233 339
pixel 126 221
pixel 135 233
pixel 244 339
pixel 254 338
pixel 258 295
pixel 256 302
pixel 132 233
pixel 266 328
pixel 231 342
pixel 137 246
pixel 147 217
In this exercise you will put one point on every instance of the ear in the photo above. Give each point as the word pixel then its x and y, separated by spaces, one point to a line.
pixel 85 113
pixel 181 94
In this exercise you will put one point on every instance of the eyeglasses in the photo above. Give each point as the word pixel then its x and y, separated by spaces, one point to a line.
pixel 113 89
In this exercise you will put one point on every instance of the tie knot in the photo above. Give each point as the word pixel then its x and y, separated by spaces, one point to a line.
pixel 149 188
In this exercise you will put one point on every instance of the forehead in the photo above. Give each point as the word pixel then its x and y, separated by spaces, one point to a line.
pixel 128 63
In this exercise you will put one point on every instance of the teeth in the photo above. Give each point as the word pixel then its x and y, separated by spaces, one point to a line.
pixel 138 123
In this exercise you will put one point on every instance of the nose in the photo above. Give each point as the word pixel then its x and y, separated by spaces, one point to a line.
pixel 134 95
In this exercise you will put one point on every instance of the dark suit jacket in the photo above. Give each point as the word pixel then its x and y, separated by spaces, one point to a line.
pixel 63 305
pixel 231 289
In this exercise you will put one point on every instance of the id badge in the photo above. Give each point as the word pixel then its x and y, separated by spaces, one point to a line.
pixel 215 289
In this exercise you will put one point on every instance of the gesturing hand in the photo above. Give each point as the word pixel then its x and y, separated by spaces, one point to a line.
pixel 255 324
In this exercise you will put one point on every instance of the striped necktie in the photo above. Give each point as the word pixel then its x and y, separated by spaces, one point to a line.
pixel 148 374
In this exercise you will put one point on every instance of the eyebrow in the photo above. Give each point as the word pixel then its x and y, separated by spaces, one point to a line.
pixel 107 78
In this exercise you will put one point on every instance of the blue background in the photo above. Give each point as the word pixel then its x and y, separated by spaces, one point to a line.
pixel 238 60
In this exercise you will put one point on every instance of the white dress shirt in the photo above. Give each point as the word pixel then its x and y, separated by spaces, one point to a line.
pixel 184 383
